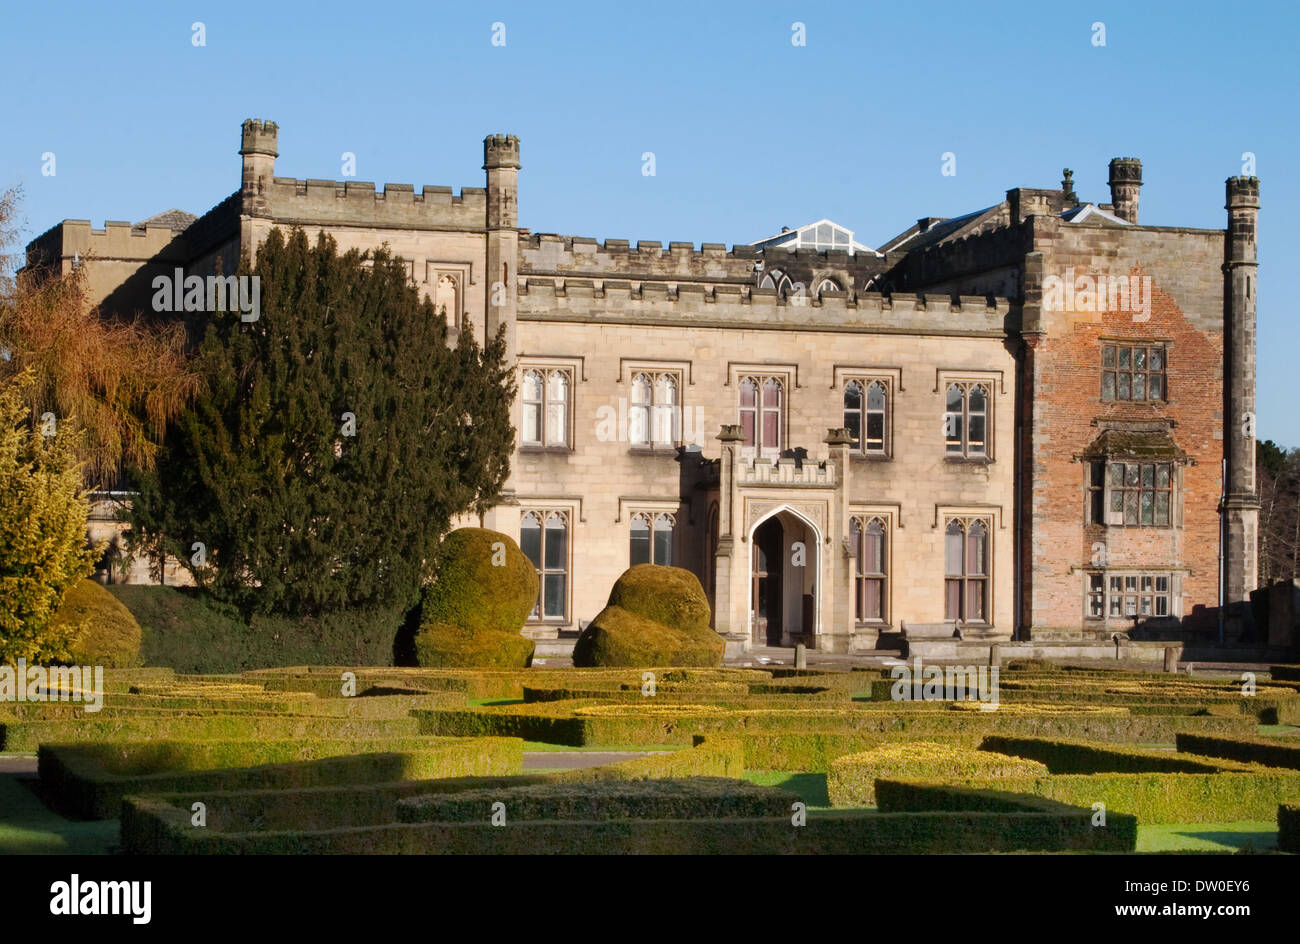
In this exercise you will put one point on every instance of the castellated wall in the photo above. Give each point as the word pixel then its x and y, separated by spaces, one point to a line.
pixel 358 203
pixel 117 254
pixel 713 263
pixel 913 344
pixel 1186 315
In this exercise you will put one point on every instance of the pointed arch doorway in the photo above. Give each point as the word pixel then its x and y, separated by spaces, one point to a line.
pixel 783 585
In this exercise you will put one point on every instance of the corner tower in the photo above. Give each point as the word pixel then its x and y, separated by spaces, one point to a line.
pixel 1241 503
pixel 257 146
pixel 501 162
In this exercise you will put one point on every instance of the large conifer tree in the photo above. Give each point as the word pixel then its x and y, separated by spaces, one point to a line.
pixel 299 507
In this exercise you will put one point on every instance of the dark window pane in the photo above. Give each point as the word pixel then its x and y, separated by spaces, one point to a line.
pixel 530 541
pixel 1139 386
pixel 952 600
pixel 1157 387
pixel 1162 508
pixel 876 397
pixel 1162 476
pixel 1148 475
pixel 1130 507
pixel 640 548
pixel 975 600
pixel 1124 387
pixel 852 397
pixel 977 434
pixel 1108 385
pixel 663 542
pixel 557 555
pixel 1148 508
pixel 1098 470
pixel 748 393
pixel 875 430
pixel 1140 358
pixel 1108 356
pixel 553 593
pixel 747 426
pixel 1125 358
pixel 1117 473
pixel 1131 472
pixel 853 423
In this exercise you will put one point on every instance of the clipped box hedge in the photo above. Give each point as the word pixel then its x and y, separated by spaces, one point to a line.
pixel 1064 756
pixel 579 724
pixel 215 726
pixel 1246 750
pixel 157 827
pixel 693 798
pixel 850 780
pixel 90 780
pixel 347 805
pixel 813 752
pixel 1288 827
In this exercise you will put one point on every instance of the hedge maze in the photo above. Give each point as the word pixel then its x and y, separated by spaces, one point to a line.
pixel 432 760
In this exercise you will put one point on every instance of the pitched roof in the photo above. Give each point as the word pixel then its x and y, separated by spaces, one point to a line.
pixel 175 220
pixel 1154 444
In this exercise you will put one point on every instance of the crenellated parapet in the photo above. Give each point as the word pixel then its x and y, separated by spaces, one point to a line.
pixel 697 305
pixel 551 254
pixel 358 203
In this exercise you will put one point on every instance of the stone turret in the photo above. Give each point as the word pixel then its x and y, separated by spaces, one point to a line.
pixel 1241 503
pixel 1125 185
pixel 258 147
pixel 501 162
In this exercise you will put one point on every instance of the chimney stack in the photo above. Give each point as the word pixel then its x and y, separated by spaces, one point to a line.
pixel 1125 182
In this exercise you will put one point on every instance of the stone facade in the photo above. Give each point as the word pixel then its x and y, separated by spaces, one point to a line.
pixel 834 443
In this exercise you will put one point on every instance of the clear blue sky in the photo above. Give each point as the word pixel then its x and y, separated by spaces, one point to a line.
pixel 749 131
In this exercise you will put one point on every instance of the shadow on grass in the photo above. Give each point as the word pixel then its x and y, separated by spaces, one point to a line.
pixel 29 827
pixel 810 787
pixel 1207 837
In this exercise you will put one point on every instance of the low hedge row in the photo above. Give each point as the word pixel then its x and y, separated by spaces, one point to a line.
pixel 311 809
pixel 30 735
pixel 1064 756
pixel 682 799
pixel 90 780
pixel 585 724
pixel 814 752
pixel 1153 798
pixel 851 779
pixel 742 698
pixel 1288 827
pixel 159 828
pixel 1247 750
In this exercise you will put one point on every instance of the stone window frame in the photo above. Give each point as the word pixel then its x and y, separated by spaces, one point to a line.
pixel 1099 495
pixel 680 372
pixel 787 377
pixel 862 519
pixel 544 511
pixel 1132 345
pixel 865 380
pixel 1109 577
pixel 652 517
pixel 546 366
pixel 994 384
pixel 966 522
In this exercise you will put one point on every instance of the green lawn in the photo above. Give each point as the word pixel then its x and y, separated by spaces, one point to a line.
pixel 1207 837
pixel 27 826
pixel 598 748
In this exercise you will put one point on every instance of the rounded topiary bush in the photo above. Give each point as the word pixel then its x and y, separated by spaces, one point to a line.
pixel 102 630
pixel 656 616
pixel 484 582
pixel 669 595
pixel 472 612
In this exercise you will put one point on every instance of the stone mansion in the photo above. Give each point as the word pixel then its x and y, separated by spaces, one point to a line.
pixel 1033 421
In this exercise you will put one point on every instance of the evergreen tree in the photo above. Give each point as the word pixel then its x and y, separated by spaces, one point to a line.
pixel 339 436
pixel 43 511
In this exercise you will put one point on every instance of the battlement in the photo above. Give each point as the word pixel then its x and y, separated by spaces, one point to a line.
pixel 696 305
pixel 1242 192
pixel 360 203
pixel 553 254
pixel 118 241
pixel 259 137
pixel 500 150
